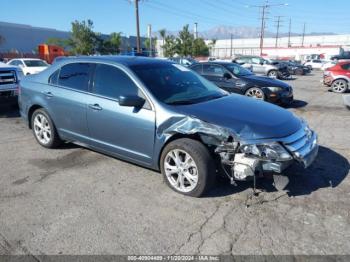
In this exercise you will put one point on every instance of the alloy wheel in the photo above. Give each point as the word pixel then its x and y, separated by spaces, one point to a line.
pixel 339 86
pixel 181 170
pixel 42 129
pixel 256 93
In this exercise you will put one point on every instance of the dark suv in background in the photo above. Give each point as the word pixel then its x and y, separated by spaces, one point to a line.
pixel 237 79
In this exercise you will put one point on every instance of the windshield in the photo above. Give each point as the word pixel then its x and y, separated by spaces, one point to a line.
pixel 238 70
pixel 175 84
pixel 34 63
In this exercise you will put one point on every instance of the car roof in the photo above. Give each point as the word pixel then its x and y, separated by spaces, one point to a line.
pixel 25 59
pixel 125 60
pixel 217 63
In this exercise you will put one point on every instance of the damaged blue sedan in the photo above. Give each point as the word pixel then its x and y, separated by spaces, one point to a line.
pixel 163 116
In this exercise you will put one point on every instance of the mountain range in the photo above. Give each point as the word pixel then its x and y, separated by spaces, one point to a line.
pixel 225 32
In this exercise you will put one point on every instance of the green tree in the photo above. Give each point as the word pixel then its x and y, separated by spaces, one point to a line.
pixel 148 44
pixel 111 45
pixel 84 41
pixel 199 48
pixel 185 41
pixel 170 46
pixel 162 34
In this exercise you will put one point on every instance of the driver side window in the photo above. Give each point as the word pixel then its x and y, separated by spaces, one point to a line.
pixel 111 82
pixel 256 61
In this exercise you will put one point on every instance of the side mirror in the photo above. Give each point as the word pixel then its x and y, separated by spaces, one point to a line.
pixel 227 76
pixel 21 66
pixel 131 100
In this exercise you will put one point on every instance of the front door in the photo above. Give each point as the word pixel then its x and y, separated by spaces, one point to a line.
pixel 125 131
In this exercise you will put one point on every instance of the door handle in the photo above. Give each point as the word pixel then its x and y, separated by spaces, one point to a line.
pixel 48 94
pixel 95 107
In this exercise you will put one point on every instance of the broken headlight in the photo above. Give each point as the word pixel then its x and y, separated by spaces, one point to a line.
pixel 271 151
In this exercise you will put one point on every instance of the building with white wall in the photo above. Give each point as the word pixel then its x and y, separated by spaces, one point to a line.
pixel 327 45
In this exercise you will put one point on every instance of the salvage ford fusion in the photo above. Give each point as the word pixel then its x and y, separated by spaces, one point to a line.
pixel 163 116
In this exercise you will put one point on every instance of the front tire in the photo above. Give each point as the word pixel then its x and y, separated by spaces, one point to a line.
pixel 187 167
pixel 256 93
pixel 272 74
pixel 44 130
pixel 339 86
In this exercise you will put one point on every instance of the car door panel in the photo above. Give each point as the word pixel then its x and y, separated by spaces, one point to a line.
pixel 125 131
pixel 68 95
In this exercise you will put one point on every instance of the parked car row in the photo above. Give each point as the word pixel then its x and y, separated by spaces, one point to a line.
pixel 164 116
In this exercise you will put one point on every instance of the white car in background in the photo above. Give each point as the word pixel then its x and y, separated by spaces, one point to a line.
pixel 328 64
pixel 314 63
pixel 29 66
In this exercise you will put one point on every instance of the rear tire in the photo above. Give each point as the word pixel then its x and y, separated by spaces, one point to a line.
pixel 44 129
pixel 339 86
pixel 187 167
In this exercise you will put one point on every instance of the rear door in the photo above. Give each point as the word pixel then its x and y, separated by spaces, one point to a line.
pixel 125 131
pixel 68 93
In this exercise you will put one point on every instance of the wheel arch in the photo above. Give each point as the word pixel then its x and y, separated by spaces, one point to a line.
pixel 174 137
pixel 30 113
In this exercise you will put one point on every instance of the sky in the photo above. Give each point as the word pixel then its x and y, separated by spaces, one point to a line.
pixel 119 15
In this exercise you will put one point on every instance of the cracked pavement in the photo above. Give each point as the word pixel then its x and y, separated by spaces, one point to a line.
pixel 76 201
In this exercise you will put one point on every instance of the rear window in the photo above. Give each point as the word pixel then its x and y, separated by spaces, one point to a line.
pixel 75 75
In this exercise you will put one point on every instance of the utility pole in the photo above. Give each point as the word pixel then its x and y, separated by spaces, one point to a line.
pixel 137 26
pixel 231 46
pixel 289 31
pixel 278 25
pixel 264 9
pixel 195 30
pixel 262 29
pixel 149 32
pixel 302 39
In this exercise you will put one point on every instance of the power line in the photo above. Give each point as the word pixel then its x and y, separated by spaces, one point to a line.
pixel 264 9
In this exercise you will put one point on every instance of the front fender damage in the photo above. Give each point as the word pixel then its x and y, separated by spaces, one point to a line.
pixel 225 144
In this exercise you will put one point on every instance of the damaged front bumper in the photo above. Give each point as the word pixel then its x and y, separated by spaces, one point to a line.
pixel 237 163
pixel 301 146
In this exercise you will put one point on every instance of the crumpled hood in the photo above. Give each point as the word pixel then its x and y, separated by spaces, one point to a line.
pixel 247 118
pixel 264 81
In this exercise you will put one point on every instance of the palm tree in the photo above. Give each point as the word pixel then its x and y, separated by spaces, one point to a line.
pixel 162 33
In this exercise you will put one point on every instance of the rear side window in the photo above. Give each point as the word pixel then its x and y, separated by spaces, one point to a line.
pixel 113 82
pixel 54 78
pixel 75 76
